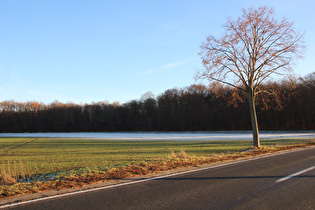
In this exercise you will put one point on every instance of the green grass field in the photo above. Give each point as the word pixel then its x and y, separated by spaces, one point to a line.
pixel 36 156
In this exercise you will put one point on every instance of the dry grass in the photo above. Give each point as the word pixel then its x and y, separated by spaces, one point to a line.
pixel 11 172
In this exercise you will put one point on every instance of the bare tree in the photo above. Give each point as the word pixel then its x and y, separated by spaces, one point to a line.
pixel 254 47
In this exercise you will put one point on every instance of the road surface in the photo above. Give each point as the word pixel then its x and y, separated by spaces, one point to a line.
pixel 281 181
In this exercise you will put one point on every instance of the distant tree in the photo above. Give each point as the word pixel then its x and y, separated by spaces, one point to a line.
pixel 254 47
pixel 149 110
pixel 305 101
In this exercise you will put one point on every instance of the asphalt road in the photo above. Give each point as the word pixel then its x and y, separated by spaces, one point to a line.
pixel 285 181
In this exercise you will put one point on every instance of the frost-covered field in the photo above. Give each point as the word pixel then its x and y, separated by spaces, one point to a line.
pixel 171 136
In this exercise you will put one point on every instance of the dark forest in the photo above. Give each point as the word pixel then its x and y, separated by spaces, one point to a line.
pixel 287 105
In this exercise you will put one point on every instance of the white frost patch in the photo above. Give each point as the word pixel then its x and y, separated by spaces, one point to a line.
pixel 169 136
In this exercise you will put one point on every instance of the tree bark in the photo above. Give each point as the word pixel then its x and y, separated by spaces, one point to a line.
pixel 253 116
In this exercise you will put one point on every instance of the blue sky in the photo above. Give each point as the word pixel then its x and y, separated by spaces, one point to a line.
pixel 98 50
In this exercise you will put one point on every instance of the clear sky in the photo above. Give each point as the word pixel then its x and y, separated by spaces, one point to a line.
pixel 117 50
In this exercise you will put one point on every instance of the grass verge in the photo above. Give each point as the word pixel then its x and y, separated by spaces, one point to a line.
pixel 35 165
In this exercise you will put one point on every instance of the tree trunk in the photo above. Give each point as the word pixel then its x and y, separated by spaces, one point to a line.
pixel 253 116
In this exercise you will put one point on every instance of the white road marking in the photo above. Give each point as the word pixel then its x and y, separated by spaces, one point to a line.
pixel 295 174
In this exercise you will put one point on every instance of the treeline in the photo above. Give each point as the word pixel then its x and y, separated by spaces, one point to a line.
pixel 286 105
